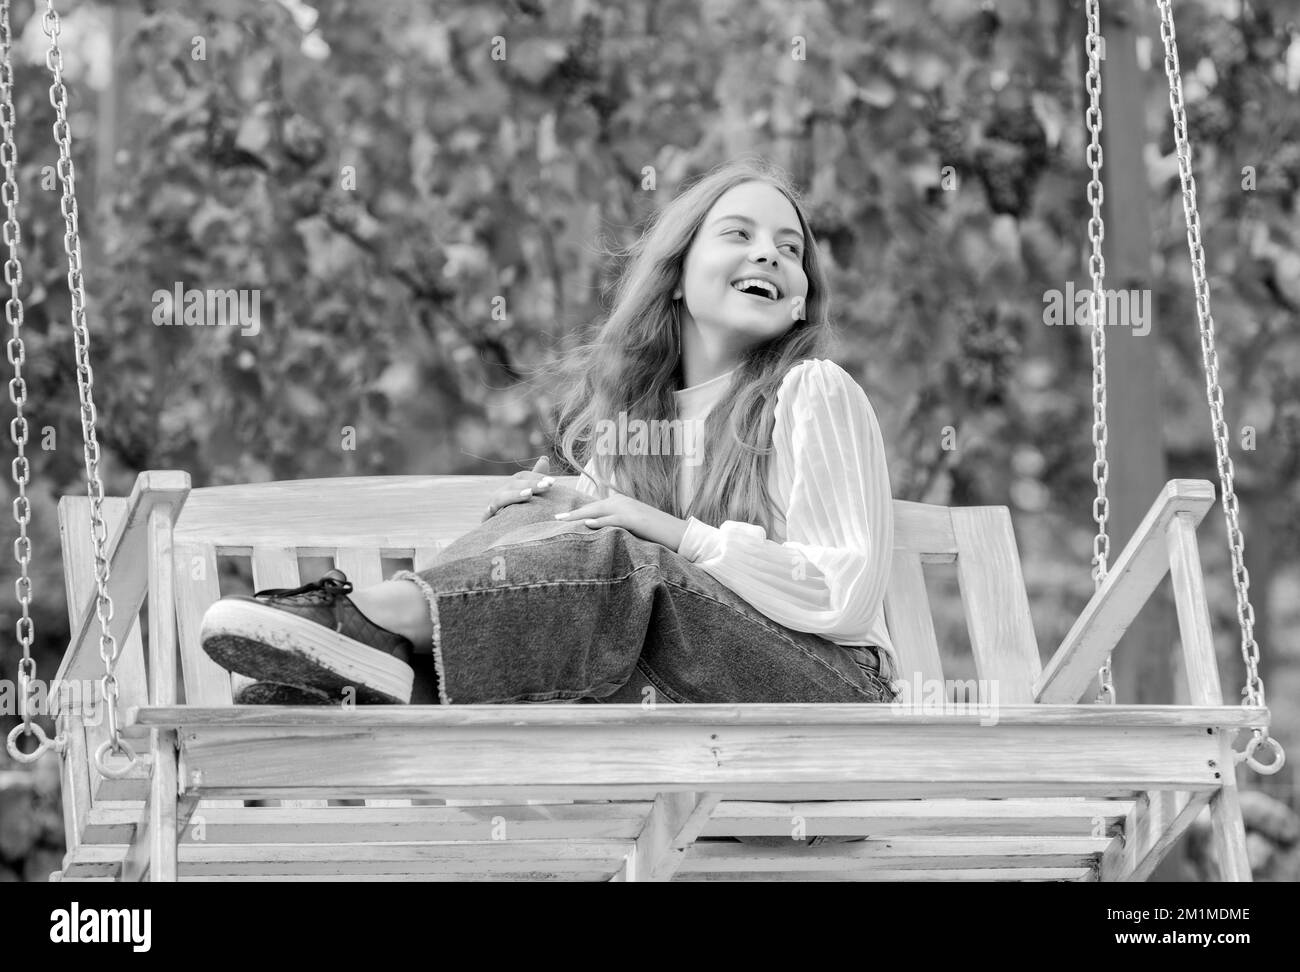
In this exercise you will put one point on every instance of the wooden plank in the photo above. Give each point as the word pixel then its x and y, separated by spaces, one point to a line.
pixel 198 587
pixel 399 514
pixel 900 853
pixel 386 877
pixel 1194 627
pixel 924 529
pixel 162 690
pixel 841 761
pixel 135 859
pixel 488 856
pixel 128 568
pixel 1057 874
pixel 717 857
pixel 1158 820
pixel 162 808
pixel 997 607
pixel 762 791
pixel 74 778
pixel 275 566
pixel 405 823
pixel 425 557
pixel 362 565
pixel 1227 829
pixel 1133 576
pixel 909 618
pixel 673 823
pixel 1042 817
pixel 394 514
pixel 791 714
pixel 889 874
pixel 162 613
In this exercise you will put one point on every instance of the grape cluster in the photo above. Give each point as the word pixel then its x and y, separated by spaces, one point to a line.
pixel 1011 158
pixel 987 347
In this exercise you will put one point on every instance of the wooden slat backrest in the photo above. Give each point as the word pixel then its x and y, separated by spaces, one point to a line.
pixel 197 587
pixel 356 521
pixel 361 564
pixel 922 535
pixel 997 607
pixel 908 617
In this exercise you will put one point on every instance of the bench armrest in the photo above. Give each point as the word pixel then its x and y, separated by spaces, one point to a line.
pixel 1128 585
pixel 127 551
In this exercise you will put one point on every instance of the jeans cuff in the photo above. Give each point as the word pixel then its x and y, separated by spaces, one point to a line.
pixel 440 672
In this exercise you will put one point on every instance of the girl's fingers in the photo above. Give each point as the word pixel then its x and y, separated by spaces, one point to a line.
pixel 507 498
pixel 593 516
pixel 533 481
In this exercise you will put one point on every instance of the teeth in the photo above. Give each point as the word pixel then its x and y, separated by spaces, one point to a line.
pixel 755 282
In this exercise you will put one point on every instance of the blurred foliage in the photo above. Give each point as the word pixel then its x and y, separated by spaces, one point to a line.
pixel 478 179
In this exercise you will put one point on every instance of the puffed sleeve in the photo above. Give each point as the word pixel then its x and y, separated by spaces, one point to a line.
pixel 830 574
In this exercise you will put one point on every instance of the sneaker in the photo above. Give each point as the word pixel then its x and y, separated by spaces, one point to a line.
pixel 310 637
pixel 277 693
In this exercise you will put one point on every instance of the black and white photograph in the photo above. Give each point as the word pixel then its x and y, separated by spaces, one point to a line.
pixel 821 441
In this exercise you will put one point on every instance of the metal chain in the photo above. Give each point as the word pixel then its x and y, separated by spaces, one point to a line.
pixel 20 468
pixel 1253 691
pixel 108 648
pixel 1097 306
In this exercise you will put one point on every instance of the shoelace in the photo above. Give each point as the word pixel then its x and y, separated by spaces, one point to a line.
pixel 335 581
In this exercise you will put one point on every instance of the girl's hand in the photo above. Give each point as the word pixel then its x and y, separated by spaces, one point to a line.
pixel 524 486
pixel 641 519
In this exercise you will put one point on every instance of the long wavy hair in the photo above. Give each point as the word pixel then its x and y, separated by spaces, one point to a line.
pixel 632 365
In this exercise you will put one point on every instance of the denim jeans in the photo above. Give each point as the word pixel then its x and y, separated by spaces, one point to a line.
pixel 527 608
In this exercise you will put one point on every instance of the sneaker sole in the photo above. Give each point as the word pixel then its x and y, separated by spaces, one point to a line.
pixel 273 645
pixel 275 693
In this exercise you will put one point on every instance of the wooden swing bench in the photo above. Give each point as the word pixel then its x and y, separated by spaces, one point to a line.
pixel 1055 790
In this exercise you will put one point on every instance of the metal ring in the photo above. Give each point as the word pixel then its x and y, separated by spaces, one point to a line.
pixel 105 769
pixel 44 742
pixel 1265 769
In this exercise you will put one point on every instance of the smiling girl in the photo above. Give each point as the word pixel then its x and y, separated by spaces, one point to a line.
pixel 747 563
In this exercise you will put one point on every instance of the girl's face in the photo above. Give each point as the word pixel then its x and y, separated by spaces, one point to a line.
pixel 751 234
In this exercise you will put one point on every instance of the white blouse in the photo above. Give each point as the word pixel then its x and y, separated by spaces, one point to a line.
pixel 827 565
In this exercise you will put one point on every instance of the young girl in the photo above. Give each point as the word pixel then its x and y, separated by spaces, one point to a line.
pixel 730 540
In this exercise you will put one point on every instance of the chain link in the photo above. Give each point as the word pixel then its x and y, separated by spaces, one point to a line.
pixel 108 648
pixel 1253 691
pixel 1097 308
pixel 20 468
